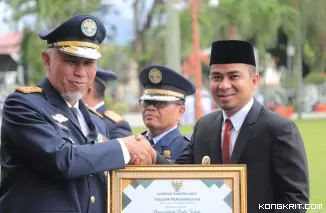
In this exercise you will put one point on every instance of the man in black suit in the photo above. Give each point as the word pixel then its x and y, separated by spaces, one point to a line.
pixel 245 132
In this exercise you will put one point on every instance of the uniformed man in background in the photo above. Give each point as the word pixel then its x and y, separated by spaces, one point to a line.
pixel 94 98
pixel 163 104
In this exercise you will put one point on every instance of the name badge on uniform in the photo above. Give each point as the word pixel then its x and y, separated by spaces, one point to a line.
pixel 167 153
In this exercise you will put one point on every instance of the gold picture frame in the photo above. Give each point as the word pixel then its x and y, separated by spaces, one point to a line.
pixel 233 177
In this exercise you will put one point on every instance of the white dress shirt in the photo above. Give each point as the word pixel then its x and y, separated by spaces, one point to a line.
pixel 82 122
pixel 237 121
pixel 98 105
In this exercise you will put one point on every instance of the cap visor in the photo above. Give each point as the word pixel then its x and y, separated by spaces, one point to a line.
pixel 158 98
pixel 45 33
pixel 82 52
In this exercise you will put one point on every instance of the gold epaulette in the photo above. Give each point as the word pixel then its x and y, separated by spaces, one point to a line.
pixel 27 90
pixel 94 111
pixel 116 118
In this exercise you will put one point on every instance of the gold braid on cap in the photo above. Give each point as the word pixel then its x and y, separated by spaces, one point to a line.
pixel 76 43
pixel 163 92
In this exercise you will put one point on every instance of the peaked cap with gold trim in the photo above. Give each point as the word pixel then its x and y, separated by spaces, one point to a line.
pixel 79 36
pixel 164 84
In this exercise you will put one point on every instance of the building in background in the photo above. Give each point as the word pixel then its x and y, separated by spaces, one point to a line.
pixel 11 72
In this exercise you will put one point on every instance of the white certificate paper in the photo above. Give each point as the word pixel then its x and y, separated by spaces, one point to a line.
pixel 177 196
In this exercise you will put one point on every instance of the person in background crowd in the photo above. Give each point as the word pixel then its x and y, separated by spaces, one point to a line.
pixel 94 98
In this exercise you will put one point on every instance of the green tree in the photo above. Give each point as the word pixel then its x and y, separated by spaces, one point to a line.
pixel 31 60
pixel 316 78
pixel 312 19
pixel 266 19
pixel 49 14
pixel 231 19
pixel 143 49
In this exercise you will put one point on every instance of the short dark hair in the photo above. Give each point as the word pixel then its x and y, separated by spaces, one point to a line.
pixel 99 89
pixel 181 102
pixel 252 69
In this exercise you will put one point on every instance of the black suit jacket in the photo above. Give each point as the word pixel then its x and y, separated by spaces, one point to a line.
pixel 271 147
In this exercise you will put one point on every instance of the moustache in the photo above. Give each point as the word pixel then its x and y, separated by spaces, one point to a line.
pixel 224 93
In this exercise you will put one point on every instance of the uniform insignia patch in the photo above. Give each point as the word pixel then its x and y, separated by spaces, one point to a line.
pixel 155 76
pixel 29 89
pixel 89 27
pixel 113 116
pixel 94 111
pixel 167 153
pixel 59 118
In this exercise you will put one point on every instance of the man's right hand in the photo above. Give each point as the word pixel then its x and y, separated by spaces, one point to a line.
pixel 140 147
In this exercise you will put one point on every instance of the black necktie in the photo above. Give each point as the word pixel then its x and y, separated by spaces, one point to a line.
pixel 75 112
pixel 150 140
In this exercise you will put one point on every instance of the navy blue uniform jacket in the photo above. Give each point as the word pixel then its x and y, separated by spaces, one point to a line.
pixel 117 128
pixel 171 146
pixel 48 166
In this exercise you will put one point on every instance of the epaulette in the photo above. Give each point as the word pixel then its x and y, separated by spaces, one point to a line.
pixel 187 137
pixel 94 111
pixel 27 90
pixel 116 118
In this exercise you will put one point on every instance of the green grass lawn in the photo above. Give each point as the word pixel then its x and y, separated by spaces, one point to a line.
pixel 314 136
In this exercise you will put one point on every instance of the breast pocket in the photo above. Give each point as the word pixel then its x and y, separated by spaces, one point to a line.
pixel 63 128
pixel 64 132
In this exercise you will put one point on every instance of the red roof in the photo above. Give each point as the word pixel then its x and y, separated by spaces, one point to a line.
pixel 10 43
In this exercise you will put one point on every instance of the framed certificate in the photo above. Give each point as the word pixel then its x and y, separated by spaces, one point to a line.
pixel 179 189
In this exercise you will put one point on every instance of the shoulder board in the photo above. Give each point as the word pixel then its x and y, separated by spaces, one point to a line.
pixel 94 111
pixel 187 137
pixel 116 118
pixel 29 89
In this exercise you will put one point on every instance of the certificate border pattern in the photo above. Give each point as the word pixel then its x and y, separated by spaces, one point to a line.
pixel 235 172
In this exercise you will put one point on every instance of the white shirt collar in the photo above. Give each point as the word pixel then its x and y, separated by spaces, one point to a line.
pixel 157 138
pixel 76 104
pixel 98 105
pixel 238 118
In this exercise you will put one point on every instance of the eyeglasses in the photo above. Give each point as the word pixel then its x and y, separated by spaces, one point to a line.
pixel 157 104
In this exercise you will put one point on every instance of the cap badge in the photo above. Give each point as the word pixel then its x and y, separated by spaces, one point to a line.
pixel 89 27
pixel 155 76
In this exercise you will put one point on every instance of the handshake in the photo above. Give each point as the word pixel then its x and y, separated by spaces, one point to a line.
pixel 140 150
